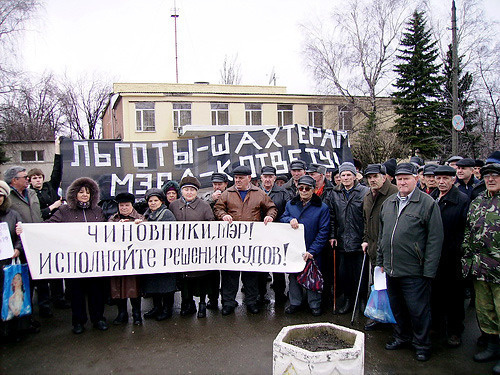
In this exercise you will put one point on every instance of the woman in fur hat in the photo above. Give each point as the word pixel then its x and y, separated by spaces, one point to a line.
pixel 11 329
pixel 124 287
pixel 161 286
pixel 82 197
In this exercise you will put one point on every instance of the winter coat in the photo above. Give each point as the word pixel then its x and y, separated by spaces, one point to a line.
pixel 48 193
pixel 454 207
pixel 197 210
pixel 279 197
pixel 410 244
pixel 71 212
pixel 316 219
pixel 348 219
pixel 160 282
pixel 327 198
pixel 29 210
pixel 125 286
pixel 371 216
pixel 290 189
pixel 255 207
pixel 469 187
pixel 482 239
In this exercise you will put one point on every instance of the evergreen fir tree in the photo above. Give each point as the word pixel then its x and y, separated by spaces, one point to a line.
pixel 418 84
pixel 469 138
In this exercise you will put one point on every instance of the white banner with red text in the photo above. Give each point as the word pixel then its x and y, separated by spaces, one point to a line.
pixel 73 250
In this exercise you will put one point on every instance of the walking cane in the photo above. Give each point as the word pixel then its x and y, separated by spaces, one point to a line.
pixel 334 281
pixel 359 287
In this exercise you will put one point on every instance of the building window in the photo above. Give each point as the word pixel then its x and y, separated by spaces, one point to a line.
pixel 345 117
pixel 145 116
pixel 220 113
pixel 182 114
pixel 32 155
pixel 253 113
pixel 285 114
pixel 315 115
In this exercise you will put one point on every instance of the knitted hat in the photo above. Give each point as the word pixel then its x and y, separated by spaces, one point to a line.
pixel 347 166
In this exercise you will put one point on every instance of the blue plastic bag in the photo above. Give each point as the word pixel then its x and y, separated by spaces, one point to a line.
pixel 378 307
pixel 16 300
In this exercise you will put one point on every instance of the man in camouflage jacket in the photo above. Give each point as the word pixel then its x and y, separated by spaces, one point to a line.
pixel 481 260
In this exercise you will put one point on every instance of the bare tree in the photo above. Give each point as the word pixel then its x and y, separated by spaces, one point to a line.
pixel 82 103
pixel 230 73
pixel 14 15
pixel 31 111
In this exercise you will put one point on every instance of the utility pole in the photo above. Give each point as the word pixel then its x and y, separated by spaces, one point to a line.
pixel 175 15
pixel 454 139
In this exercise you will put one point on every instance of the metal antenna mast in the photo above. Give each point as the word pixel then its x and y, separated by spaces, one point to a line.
pixel 175 15
pixel 455 74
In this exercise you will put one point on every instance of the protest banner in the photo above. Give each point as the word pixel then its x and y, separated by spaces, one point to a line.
pixel 135 167
pixel 73 250
pixel 6 248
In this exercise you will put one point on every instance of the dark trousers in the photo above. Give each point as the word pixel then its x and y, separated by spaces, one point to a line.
pixel 279 283
pixel 327 270
pixel 447 304
pixel 350 264
pixel 214 288
pixel 94 290
pixel 230 282
pixel 121 303
pixel 410 299
pixel 49 290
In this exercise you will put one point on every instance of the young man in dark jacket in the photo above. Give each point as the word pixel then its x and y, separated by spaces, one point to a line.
pixel 409 247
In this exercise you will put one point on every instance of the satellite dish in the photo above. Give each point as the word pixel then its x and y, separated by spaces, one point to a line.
pixel 272 77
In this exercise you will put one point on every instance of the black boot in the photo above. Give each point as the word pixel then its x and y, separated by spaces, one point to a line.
pixel 202 310
pixel 168 305
pixel 491 352
pixel 188 308
pixel 345 307
pixel 157 308
pixel 122 316
pixel 136 310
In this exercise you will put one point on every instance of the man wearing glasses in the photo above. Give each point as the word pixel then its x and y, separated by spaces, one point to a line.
pixel 24 200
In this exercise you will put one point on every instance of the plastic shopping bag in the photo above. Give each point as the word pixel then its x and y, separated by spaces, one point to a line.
pixel 378 307
pixel 311 277
pixel 16 300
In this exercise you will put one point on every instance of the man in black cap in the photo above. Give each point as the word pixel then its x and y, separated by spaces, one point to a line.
pixel 297 169
pixel 409 247
pixel 219 184
pixel 390 167
pixel 430 181
pixel 466 181
pixel 448 286
pixel 279 197
pixel 452 161
pixel 477 168
pixel 380 189
pixel 242 202
pixel 281 180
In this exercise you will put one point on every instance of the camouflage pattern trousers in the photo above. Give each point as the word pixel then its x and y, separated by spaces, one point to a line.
pixel 488 306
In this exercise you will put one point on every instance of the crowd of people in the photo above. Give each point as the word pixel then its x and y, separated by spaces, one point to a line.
pixel 433 229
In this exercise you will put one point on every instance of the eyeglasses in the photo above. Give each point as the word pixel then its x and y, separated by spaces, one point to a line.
pixel 304 188
pixel 19 177
pixel 493 175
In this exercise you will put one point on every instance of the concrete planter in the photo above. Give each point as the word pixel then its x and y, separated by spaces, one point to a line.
pixel 291 360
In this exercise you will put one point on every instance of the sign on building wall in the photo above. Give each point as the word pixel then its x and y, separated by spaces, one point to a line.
pixel 137 166
pixel 73 250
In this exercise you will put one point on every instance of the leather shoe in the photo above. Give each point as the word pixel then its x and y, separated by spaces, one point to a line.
pixel 396 344
pixel 188 308
pixel 165 314
pixel 292 309
pixel 101 325
pixel 227 310
pixel 202 310
pixel 151 314
pixel 122 318
pixel 253 309
pixel 78 328
pixel 137 319
pixel 316 312
pixel 454 341
pixel 423 355
pixel 345 308
pixel 373 326
pixel 213 304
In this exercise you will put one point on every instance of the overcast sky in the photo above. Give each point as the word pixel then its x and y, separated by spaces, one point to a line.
pixel 133 41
